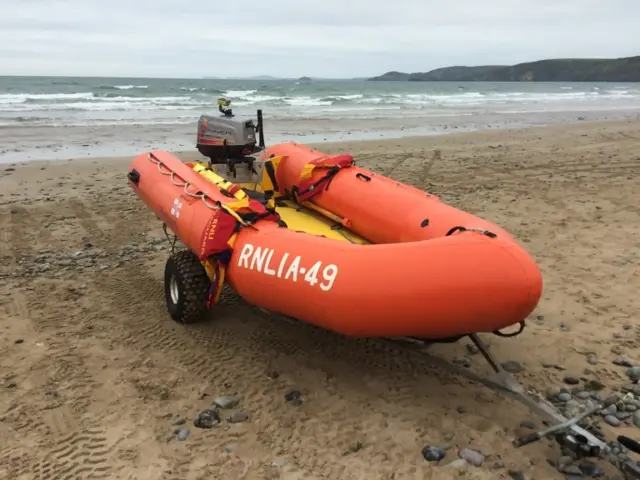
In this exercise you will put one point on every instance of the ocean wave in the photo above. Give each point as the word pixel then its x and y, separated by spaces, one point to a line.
pixel 123 87
pixel 286 101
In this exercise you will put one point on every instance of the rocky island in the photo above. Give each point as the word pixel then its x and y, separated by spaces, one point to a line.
pixel 553 70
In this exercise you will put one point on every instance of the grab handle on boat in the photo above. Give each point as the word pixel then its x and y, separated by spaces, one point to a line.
pixel 134 176
pixel 514 334
pixel 363 177
pixel 463 229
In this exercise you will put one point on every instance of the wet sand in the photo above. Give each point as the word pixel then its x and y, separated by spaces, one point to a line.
pixel 18 144
pixel 95 377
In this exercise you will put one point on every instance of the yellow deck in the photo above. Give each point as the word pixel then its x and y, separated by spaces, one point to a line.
pixel 297 217
pixel 302 219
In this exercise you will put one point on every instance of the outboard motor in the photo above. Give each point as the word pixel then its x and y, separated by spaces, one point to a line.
pixel 230 140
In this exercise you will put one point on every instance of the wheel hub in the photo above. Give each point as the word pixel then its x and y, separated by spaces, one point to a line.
pixel 174 290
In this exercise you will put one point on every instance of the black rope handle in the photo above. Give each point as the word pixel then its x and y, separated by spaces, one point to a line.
pixel 463 229
pixel 510 335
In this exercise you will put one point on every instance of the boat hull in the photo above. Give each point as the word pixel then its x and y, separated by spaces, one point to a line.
pixel 416 281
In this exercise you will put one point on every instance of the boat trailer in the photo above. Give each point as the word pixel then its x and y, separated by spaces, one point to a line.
pixel 567 432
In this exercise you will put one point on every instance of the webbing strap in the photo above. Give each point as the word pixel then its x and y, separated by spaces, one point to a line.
pixel 305 189
pixel 216 271
pixel 309 190
pixel 227 219
pixel 271 175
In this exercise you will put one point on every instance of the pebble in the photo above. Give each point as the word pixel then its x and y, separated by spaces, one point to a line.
pixel 238 417
pixel 293 397
pixel 636 418
pixel 183 434
pixel 622 362
pixel 355 447
pixel 207 419
pixel 569 380
pixel 528 424
pixel 633 373
pixel 612 420
pixel 457 463
pixel 572 470
pixel 433 454
pixel 623 415
pixel 589 469
pixel 583 395
pixel 19 341
pixel 516 475
pixel 471 456
pixel 564 396
pixel 512 366
pixel 226 401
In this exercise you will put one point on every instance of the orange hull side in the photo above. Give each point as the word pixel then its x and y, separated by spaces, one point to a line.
pixel 433 289
pixel 381 210
pixel 185 215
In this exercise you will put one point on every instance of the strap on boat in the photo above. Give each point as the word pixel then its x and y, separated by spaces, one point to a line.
pixel 306 188
pixel 269 181
pixel 463 229
pixel 219 235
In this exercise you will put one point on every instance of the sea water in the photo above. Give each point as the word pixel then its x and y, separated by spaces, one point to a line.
pixel 103 101
pixel 162 113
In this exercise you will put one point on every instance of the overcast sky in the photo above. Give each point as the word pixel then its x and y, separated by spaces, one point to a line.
pixel 331 38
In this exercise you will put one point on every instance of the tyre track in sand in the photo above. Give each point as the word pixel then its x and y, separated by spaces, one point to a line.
pixel 20 237
pixel 62 440
pixel 5 236
pixel 78 455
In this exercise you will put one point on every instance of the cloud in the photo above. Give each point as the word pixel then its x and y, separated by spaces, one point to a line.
pixel 336 38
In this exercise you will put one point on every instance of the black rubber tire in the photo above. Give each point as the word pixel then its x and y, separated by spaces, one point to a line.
pixel 193 287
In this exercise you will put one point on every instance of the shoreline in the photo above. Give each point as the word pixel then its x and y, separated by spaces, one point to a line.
pixel 62 143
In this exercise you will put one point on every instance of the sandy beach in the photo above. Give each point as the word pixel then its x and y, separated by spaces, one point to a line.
pixel 95 378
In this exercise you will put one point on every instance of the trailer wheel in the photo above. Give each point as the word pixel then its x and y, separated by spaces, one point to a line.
pixel 186 287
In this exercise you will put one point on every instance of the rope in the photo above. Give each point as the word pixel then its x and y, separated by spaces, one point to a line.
pixel 164 170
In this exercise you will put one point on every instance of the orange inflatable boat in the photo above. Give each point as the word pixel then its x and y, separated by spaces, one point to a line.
pixel 390 260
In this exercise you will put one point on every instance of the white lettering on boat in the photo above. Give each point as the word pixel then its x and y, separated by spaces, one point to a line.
pixel 176 207
pixel 259 259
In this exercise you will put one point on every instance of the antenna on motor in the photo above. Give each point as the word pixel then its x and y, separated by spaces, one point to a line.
pixel 260 129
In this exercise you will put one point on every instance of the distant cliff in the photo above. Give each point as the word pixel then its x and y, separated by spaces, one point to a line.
pixel 556 70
